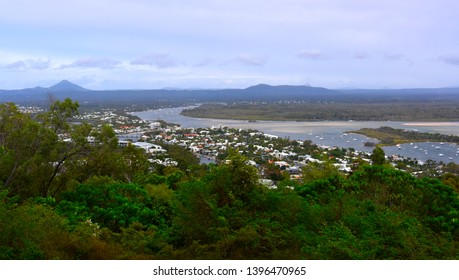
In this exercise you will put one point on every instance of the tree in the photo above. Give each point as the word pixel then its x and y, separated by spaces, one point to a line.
pixel 27 152
pixel 315 170
pixel 36 152
pixel 58 115
pixel 378 156
pixel 184 157
pixel 244 177
pixel 113 205
pixel 234 180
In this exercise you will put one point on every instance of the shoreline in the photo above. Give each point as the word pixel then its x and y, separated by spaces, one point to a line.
pixel 433 123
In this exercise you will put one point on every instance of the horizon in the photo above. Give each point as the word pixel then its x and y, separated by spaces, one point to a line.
pixel 227 88
pixel 118 44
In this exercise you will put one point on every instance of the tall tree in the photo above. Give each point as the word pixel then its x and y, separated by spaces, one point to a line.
pixel 59 114
pixel 378 156
pixel 234 180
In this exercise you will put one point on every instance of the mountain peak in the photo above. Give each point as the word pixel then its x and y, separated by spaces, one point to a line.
pixel 65 85
pixel 259 86
pixel 286 88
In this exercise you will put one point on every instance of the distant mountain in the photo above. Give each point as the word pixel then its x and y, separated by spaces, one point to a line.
pixel 65 85
pixel 288 92
pixel 257 93
pixel 287 89
pixel 36 95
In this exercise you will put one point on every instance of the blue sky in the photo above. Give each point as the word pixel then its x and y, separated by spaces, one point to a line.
pixel 149 44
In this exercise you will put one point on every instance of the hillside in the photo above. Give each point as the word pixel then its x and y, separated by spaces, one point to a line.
pixel 65 85
pixel 321 103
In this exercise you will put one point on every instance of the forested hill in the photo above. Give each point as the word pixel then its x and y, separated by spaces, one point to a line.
pixel 260 92
pixel 256 93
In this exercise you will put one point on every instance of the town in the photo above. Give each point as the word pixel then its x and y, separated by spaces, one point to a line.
pixel 275 158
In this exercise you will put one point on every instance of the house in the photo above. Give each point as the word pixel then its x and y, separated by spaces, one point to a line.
pixel 294 170
pixel 155 125
pixel 123 143
pixel 165 162
pixel 282 164
pixel 191 135
pixel 130 136
pixel 267 183
pixel 149 148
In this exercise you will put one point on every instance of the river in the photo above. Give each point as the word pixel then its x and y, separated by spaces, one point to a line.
pixel 329 133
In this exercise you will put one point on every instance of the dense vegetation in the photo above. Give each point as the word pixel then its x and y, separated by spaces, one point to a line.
pixel 358 110
pixel 390 136
pixel 71 199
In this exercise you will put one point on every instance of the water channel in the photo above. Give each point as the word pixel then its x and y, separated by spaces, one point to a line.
pixel 329 133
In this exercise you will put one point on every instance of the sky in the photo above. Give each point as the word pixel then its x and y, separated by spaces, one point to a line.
pixel 153 44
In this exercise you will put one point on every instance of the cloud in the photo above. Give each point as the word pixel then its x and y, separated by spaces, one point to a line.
pixel 17 65
pixel 28 64
pixel 312 54
pixel 160 60
pixel 205 62
pixel 94 62
pixel 398 57
pixel 38 64
pixel 251 60
pixel 361 55
pixel 452 59
pixel 393 56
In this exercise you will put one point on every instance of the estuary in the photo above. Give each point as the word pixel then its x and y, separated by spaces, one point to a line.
pixel 330 133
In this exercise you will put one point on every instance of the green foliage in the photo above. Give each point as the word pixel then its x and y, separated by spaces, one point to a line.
pixel 451 180
pixel 58 115
pixel 382 213
pixel 31 231
pixel 234 180
pixel 28 151
pixel 378 156
pixel 261 228
pixel 320 190
pixel 105 158
pixel 114 206
pixel 315 171
pixel 184 157
pixel 376 213
pixel 46 155
pixel 438 205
